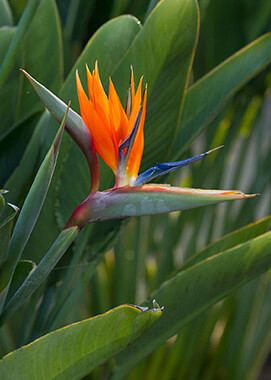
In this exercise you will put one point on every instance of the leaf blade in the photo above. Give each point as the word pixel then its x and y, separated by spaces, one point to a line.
pixel 80 347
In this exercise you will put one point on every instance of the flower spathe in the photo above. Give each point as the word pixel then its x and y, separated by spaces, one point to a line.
pixel 117 133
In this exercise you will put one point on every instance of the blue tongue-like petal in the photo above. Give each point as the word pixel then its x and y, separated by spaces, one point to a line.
pixel 161 169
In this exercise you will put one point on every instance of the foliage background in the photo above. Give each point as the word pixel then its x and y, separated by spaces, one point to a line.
pixel 232 339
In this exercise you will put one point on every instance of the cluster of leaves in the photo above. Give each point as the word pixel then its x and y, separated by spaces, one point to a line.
pixel 111 263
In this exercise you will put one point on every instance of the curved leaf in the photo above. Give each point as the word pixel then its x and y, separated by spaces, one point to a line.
pixel 80 347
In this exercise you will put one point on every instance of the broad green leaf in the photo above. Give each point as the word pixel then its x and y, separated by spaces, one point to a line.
pixel 125 202
pixel 6 223
pixel 30 212
pixel 22 271
pixel 41 271
pixel 80 347
pixel 162 52
pixel 206 97
pixel 194 290
pixel 6 18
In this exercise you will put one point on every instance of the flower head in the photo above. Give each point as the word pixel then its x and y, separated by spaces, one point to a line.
pixel 117 133
pixel 117 136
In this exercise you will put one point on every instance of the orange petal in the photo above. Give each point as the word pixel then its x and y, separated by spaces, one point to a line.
pixel 90 84
pixel 136 103
pixel 135 157
pixel 119 120
pixel 100 100
pixel 101 138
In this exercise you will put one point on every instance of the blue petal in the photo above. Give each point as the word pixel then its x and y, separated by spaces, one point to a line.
pixel 161 169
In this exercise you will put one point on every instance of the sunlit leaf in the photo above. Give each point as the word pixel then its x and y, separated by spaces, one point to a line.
pixel 79 348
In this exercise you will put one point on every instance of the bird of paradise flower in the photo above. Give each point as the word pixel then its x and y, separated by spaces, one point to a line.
pixel 116 135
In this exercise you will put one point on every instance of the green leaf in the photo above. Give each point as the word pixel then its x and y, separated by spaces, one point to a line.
pixel 30 212
pixel 38 275
pixel 22 271
pixel 6 223
pixel 6 18
pixel 194 290
pixel 206 97
pixel 125 202
pixel 80 347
